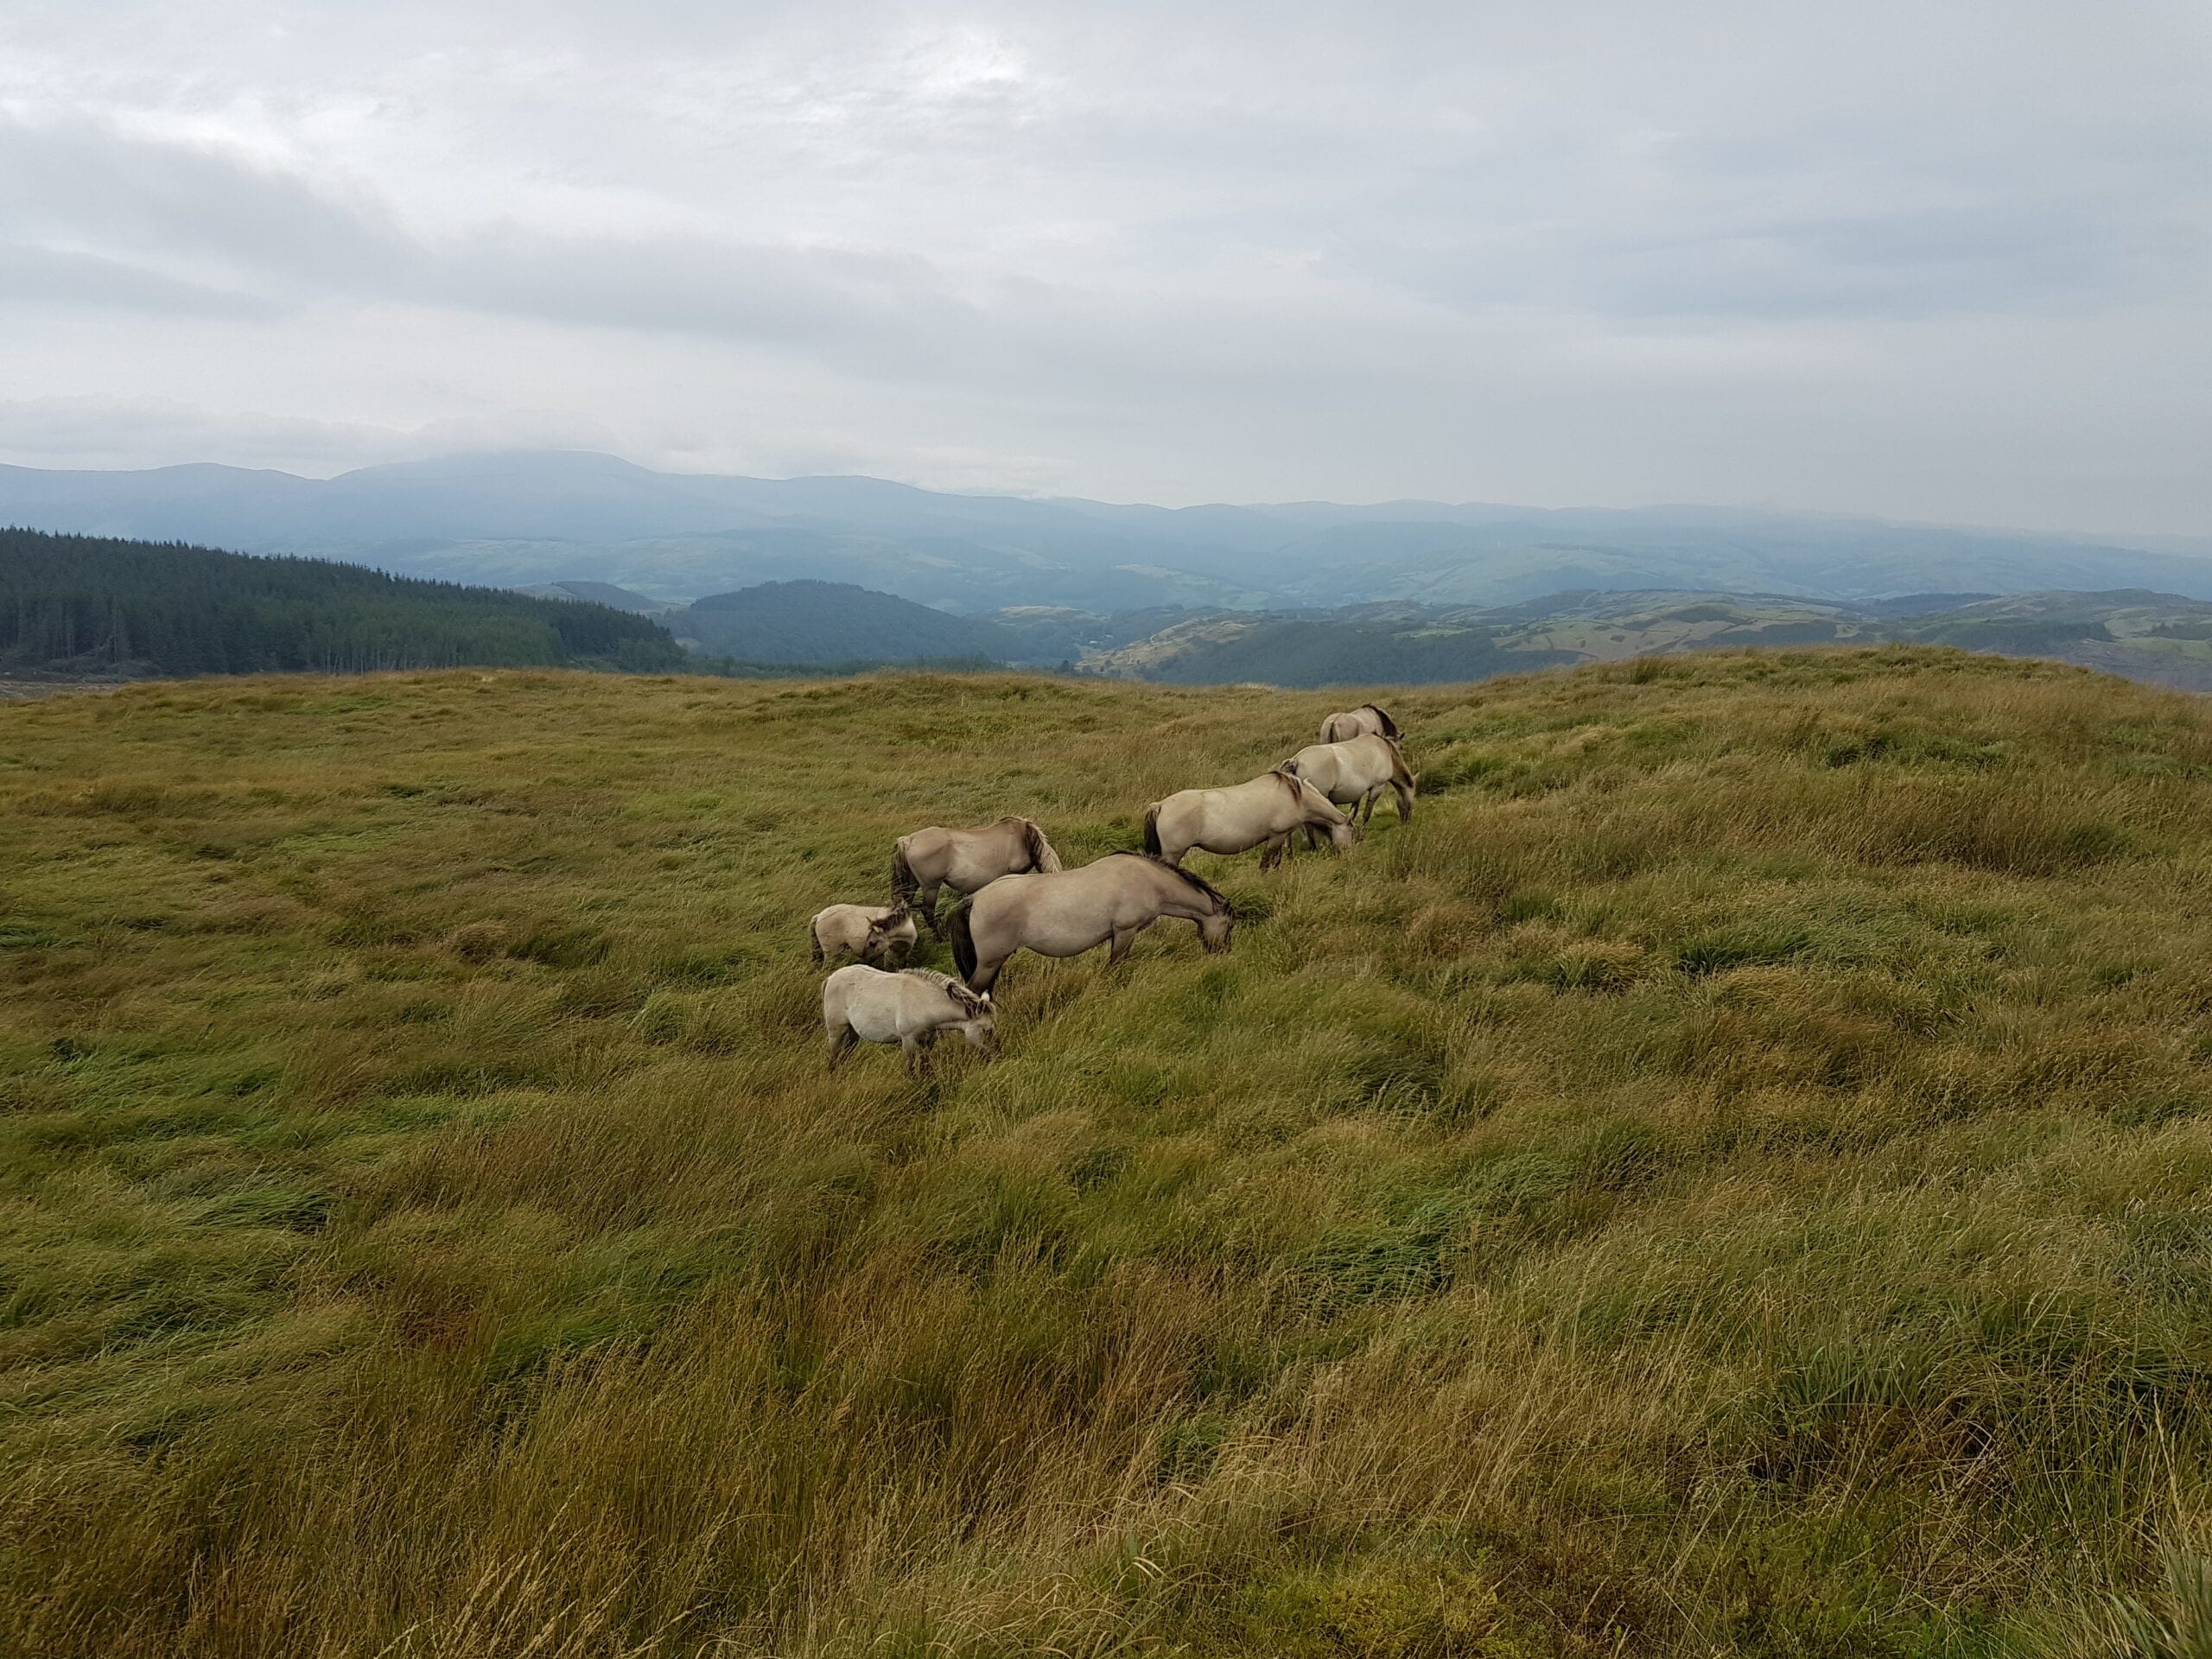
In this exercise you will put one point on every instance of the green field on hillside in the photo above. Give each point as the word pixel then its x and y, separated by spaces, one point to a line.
pixel 1730 1178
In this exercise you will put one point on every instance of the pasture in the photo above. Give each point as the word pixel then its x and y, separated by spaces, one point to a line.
pixel 1729 1178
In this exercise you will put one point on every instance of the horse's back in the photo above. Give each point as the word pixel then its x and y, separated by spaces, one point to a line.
pixel 877 1004
pixel 845 990
pixel 1318 762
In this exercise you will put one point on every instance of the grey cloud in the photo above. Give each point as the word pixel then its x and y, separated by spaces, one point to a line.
pixel 58 277
pixel 170 204
pixel 102 432
pixel 78 180
pixel 1879 257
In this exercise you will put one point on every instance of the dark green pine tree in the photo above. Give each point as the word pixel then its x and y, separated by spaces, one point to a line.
pixel 87 604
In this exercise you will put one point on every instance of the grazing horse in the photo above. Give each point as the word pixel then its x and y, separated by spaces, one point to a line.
pixel 1353 774
pixel 964 861
pixel 1269 809
pixel 1069 912
pixel 870 933
pixel 1362 722
pixel 861 1004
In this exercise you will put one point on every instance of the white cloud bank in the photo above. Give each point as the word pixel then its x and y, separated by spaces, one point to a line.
pixel 1949 260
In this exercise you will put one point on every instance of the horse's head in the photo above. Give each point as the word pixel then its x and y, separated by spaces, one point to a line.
pixel 1214 930
pixel 887 933
pixel 979 1021
pixel 1343 833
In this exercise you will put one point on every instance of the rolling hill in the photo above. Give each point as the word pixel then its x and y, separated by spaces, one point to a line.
pixel 824 622
pixel 2161 638
pixel 599 593
pixel 538 517
pixel 1729 1178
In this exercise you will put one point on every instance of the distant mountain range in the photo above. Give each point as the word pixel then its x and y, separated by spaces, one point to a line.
pixel 595 523
pixel 81 607
pixel 2163 639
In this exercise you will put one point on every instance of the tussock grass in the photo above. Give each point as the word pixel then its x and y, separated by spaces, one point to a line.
pixel 1730 1179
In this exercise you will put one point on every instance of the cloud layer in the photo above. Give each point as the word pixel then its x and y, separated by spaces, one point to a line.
pixel 1945 261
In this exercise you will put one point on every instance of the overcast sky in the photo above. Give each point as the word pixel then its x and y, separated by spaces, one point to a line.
pixel 1929 259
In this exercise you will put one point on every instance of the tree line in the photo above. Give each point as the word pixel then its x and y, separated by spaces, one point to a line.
pixel 85 605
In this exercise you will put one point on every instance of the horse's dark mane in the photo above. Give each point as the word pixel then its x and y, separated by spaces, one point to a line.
pixel 1389 725
pixel 1299 785
pixel 1196 882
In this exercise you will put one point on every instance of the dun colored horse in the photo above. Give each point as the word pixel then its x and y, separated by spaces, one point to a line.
pixel 869 933
pixel 1069 911
pixel 866 1005
pixel 966 860
pixel 1362 722
pixel 1354 774
pixel 1267 811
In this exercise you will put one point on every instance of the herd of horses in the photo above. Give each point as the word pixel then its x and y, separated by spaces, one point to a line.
pixel 1015 895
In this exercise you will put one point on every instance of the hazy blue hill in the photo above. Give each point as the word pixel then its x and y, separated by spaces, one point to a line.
pixel 2163 639
pixel 807 621
pixel 598 593
pixel 542 517
pixel 1301 652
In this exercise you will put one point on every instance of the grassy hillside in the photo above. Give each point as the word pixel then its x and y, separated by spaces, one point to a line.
pixel 78 606
pixel 2160 638
pixel 1730 1179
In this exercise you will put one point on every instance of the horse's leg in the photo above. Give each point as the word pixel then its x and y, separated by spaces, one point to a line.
pixel 1271 855
pixel 843 1042
pixel 986 974
pixel 925 905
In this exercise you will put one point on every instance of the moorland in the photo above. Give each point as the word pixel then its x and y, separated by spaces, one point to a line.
pixel 1728 1179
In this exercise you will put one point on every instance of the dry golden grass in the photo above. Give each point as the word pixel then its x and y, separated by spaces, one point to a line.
pixel 1730 1179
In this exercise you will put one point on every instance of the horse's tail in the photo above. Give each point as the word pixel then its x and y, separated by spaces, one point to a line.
pixel 1389 725
pixel 1402 783
pixel 1152 829
pixel 964 939
pixel 906 886
pixel 1041 855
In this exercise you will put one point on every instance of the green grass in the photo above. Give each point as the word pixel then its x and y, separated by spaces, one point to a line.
pixel 1730 1179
